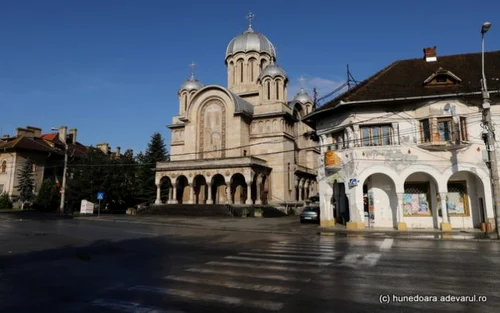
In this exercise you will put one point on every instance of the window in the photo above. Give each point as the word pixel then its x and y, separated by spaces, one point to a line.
pixel 443 130
pixel 268 90
pixel 3 168
pixel 277 90
pixel 376 135
pixel 441 79
pixel 416 199
pixel 338 140
pixel 457 201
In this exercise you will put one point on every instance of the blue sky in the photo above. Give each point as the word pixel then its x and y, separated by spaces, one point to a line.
pixel 112 68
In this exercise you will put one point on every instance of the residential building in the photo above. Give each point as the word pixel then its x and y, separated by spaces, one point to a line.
pixel 244 143
pixel 404 148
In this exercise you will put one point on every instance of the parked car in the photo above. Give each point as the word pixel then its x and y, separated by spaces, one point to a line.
pixel 310 214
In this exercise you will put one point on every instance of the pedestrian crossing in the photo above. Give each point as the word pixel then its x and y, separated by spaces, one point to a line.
pixel 261 279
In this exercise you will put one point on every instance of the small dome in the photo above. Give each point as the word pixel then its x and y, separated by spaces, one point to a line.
pixel 272 70
pixel 191 84
pixel 302 97
pixel 250 41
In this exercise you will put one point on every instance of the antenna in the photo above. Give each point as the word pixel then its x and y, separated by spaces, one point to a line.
pixel 315 97
pixel 350 79
pixel 250 17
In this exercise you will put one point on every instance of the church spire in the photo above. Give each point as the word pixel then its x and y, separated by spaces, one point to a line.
pixel 192 66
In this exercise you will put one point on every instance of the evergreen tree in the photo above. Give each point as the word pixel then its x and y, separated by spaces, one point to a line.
pixel 5 202
pixel 156 152
pixel 48 197
pixel 26 183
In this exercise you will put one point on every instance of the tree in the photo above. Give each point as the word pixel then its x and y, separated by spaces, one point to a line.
pixel 5 202
pixel 48 197
pixel 156 152
pixel 26 183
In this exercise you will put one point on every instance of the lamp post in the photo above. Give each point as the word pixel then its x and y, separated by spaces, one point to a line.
pixel 63 188
pixel 490 136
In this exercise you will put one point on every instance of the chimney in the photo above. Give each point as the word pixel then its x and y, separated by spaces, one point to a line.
pixel 63 131
pixel 104 147
pixel 37 132
pixel 21 131
pixel 73 132
pixel 118 151
pixel 430 54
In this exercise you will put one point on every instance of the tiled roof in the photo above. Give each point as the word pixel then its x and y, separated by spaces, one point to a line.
pixel 26 143
pixel 406 78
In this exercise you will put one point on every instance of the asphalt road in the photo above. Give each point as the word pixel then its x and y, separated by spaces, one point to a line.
pixel 87 266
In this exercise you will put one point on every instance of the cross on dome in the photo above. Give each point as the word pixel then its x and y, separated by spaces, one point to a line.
pixel 302 82
pixel 192 66
pixel 250 17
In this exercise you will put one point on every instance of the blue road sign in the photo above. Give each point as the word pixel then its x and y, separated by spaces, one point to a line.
pixel 100 195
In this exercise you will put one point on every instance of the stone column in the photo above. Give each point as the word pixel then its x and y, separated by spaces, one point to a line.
pixel 191 194
pixel 301 189
pixel 306 189
pixel 445 224
pixel 173 191
pixel 395 133
pixel 249 193
pixel 158 194
pixel 209 197
pixel 258 199
pixel 399 213
pixel 228 195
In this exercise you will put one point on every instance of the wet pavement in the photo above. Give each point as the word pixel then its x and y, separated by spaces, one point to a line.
pixel 76 265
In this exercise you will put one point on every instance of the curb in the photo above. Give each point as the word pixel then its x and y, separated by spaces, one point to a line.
pixel 203 227
pixel 407 237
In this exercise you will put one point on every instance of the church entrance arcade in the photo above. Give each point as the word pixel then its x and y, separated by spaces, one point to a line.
pixel 198 184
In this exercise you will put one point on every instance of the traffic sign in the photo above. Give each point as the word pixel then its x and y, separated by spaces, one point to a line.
pixel 100 195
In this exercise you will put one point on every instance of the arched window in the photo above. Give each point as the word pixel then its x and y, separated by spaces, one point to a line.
pixel 3 169
pixel 185 100
pixel 252 69
pixel 277 90
pixel 268 90
pixel 240 69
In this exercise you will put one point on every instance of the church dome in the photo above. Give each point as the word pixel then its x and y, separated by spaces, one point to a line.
pixel 272 70
pixel 191 84
pixel 250 41
pixel 302 97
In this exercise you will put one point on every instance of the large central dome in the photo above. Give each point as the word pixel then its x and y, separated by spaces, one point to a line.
pixel 250 41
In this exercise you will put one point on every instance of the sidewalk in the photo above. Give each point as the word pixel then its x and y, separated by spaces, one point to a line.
pixel 291 226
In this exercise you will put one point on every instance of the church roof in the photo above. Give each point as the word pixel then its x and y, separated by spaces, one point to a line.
pixel 250 41
pixel 241 105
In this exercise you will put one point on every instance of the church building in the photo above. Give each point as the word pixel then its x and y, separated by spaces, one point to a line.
pixel 244 143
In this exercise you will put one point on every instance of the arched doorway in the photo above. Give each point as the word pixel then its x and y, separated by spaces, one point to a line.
pixel 380 201
pixel 219 189
pixel 200 189
pixel 465 202
pixel 182 190
pixel 165 187
pixel 238 189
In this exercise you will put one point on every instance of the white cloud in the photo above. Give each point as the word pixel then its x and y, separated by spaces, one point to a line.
pixel 323 86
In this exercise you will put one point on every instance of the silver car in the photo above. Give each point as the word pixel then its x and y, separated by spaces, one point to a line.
pixel 310 214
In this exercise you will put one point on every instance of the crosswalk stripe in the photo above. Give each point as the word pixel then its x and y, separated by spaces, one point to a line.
pixel 386 244
pixel 235 285
pixel 304 246
pixel 129 307
pixel 294 252
pixel 196 296
pixel 243 274
pixel 302 249
pixel 265 267
pixel 281 255
pixel 277 261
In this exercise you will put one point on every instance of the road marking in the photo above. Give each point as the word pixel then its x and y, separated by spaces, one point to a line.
pixel 244 274
pixel 304 246
pixel 129 307
pixel 358 260
pixel 235 285
pixel 265 267
pixel 301 248
pixel 196 296
pixel 277 261
pixel 386 244
pixel 285 251
pixel 281 255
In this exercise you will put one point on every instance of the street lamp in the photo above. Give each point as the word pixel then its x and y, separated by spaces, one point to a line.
pixel 490 136
pixel 63 188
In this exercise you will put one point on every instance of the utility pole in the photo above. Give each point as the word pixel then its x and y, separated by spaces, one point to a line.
pixel 65 170
pixel 490 137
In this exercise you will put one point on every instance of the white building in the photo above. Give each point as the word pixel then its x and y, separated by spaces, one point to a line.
pixel 404 148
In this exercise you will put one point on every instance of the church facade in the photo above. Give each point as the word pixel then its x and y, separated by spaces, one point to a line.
pixel 244 143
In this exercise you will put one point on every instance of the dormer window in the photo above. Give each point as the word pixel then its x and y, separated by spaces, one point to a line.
pixel 442 77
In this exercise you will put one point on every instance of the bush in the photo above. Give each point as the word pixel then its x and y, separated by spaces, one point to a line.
pixel 244 212
pixel 5 202
pixel 48 197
